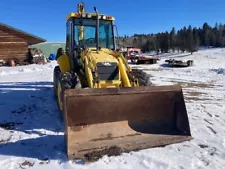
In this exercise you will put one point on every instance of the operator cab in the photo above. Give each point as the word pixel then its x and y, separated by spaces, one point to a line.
pixel 83 31
pixel 94 32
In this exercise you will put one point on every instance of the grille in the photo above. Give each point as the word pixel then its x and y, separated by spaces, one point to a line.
pixel 108 71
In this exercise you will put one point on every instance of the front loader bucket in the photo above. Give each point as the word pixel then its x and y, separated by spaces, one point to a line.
pixel 110 121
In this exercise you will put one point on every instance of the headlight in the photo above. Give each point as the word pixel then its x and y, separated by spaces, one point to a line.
pixel 89 15
pixel 104 17
pixel 83 15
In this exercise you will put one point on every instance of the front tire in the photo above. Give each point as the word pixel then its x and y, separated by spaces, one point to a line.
pixel 66 81
pixel 60 96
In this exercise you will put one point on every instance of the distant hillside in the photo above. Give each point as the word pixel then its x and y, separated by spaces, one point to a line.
pixel 186 39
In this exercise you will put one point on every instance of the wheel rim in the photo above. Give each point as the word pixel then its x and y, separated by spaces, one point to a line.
pixel 59 96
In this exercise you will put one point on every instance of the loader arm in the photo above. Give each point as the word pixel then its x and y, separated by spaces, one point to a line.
pixel 88 72
pixel 124 74
pixel 128 78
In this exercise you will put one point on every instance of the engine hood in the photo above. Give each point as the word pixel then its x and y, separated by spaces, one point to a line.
pixel 104 55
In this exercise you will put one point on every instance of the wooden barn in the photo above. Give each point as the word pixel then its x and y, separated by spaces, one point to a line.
pixel 14 43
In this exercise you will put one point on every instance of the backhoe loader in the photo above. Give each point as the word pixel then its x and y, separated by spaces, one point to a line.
pixel 109 108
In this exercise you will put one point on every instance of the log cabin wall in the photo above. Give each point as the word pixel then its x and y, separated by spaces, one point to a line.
pixel 12 47
pixel 14 43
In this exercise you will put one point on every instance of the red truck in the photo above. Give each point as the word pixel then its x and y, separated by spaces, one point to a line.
pixel 134 54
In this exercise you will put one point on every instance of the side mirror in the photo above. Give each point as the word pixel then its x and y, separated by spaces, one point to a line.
pixel 116 37
pixel 115 33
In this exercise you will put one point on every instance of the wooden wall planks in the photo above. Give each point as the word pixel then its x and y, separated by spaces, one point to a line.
pixel 12 46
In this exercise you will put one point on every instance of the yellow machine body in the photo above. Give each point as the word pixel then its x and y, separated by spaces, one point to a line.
pixel 122 114
pixel 90 57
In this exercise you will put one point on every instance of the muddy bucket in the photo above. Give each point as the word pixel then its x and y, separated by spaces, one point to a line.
pixel 110 121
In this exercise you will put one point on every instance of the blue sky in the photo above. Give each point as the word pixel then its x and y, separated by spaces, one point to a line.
pixel 46 18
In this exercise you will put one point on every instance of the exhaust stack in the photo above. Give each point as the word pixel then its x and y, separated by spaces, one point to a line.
pixel 97 29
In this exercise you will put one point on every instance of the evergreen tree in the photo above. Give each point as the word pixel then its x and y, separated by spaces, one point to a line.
pixel 221 30
pixel 189 42
pixel 184 40
pixel 206 34
pixel 196 39
pixel 178 41
pixel 150 45
pixel 213 39
pixel 223 42
pixel 172 39
pixel 166 40
pixel 146 47
pixel 157 41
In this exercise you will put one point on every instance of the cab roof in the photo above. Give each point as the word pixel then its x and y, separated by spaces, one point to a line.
pixel 89 15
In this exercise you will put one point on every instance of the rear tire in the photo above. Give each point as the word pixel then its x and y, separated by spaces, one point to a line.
pixel 56 73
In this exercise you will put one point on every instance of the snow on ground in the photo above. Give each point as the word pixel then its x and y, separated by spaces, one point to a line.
pixel 31 131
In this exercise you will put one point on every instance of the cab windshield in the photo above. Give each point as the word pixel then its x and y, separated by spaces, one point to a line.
pixel 85 33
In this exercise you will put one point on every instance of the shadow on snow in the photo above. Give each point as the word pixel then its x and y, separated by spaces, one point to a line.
pixel 49 147
pixel 32 104
pixel 31 108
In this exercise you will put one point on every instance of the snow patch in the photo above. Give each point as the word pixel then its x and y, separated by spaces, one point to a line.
pixel 25 70
pixel 32 130
pixel 4 73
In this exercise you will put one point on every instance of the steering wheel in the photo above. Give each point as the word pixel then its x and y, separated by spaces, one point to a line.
pixel 90 41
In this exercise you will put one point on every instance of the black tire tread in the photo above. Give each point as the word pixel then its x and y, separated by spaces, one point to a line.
pixel 56 73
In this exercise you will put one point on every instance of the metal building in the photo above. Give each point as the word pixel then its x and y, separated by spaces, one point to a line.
pixel 49 47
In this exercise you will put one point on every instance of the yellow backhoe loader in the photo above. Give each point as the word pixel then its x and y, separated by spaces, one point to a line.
pixel 109 108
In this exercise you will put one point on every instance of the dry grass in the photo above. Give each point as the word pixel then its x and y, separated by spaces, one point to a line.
pixel 6 140
pixel 193 93
pixel 196 98
pixel 153 69
pixel 27 163
pixel 148 69
pixel 192 85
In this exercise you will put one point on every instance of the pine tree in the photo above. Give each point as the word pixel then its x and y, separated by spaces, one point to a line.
pixel 189 42
pixel 217 35
pixel 221 29
pixel 172 39
pixel 152 44
pixel 184 40
pixel 166 42
pixel 157 41
pixel 206 34
pixel 196 39
pixel 223 42
pixel 213 39
pixel 178 41
pixel 146 47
